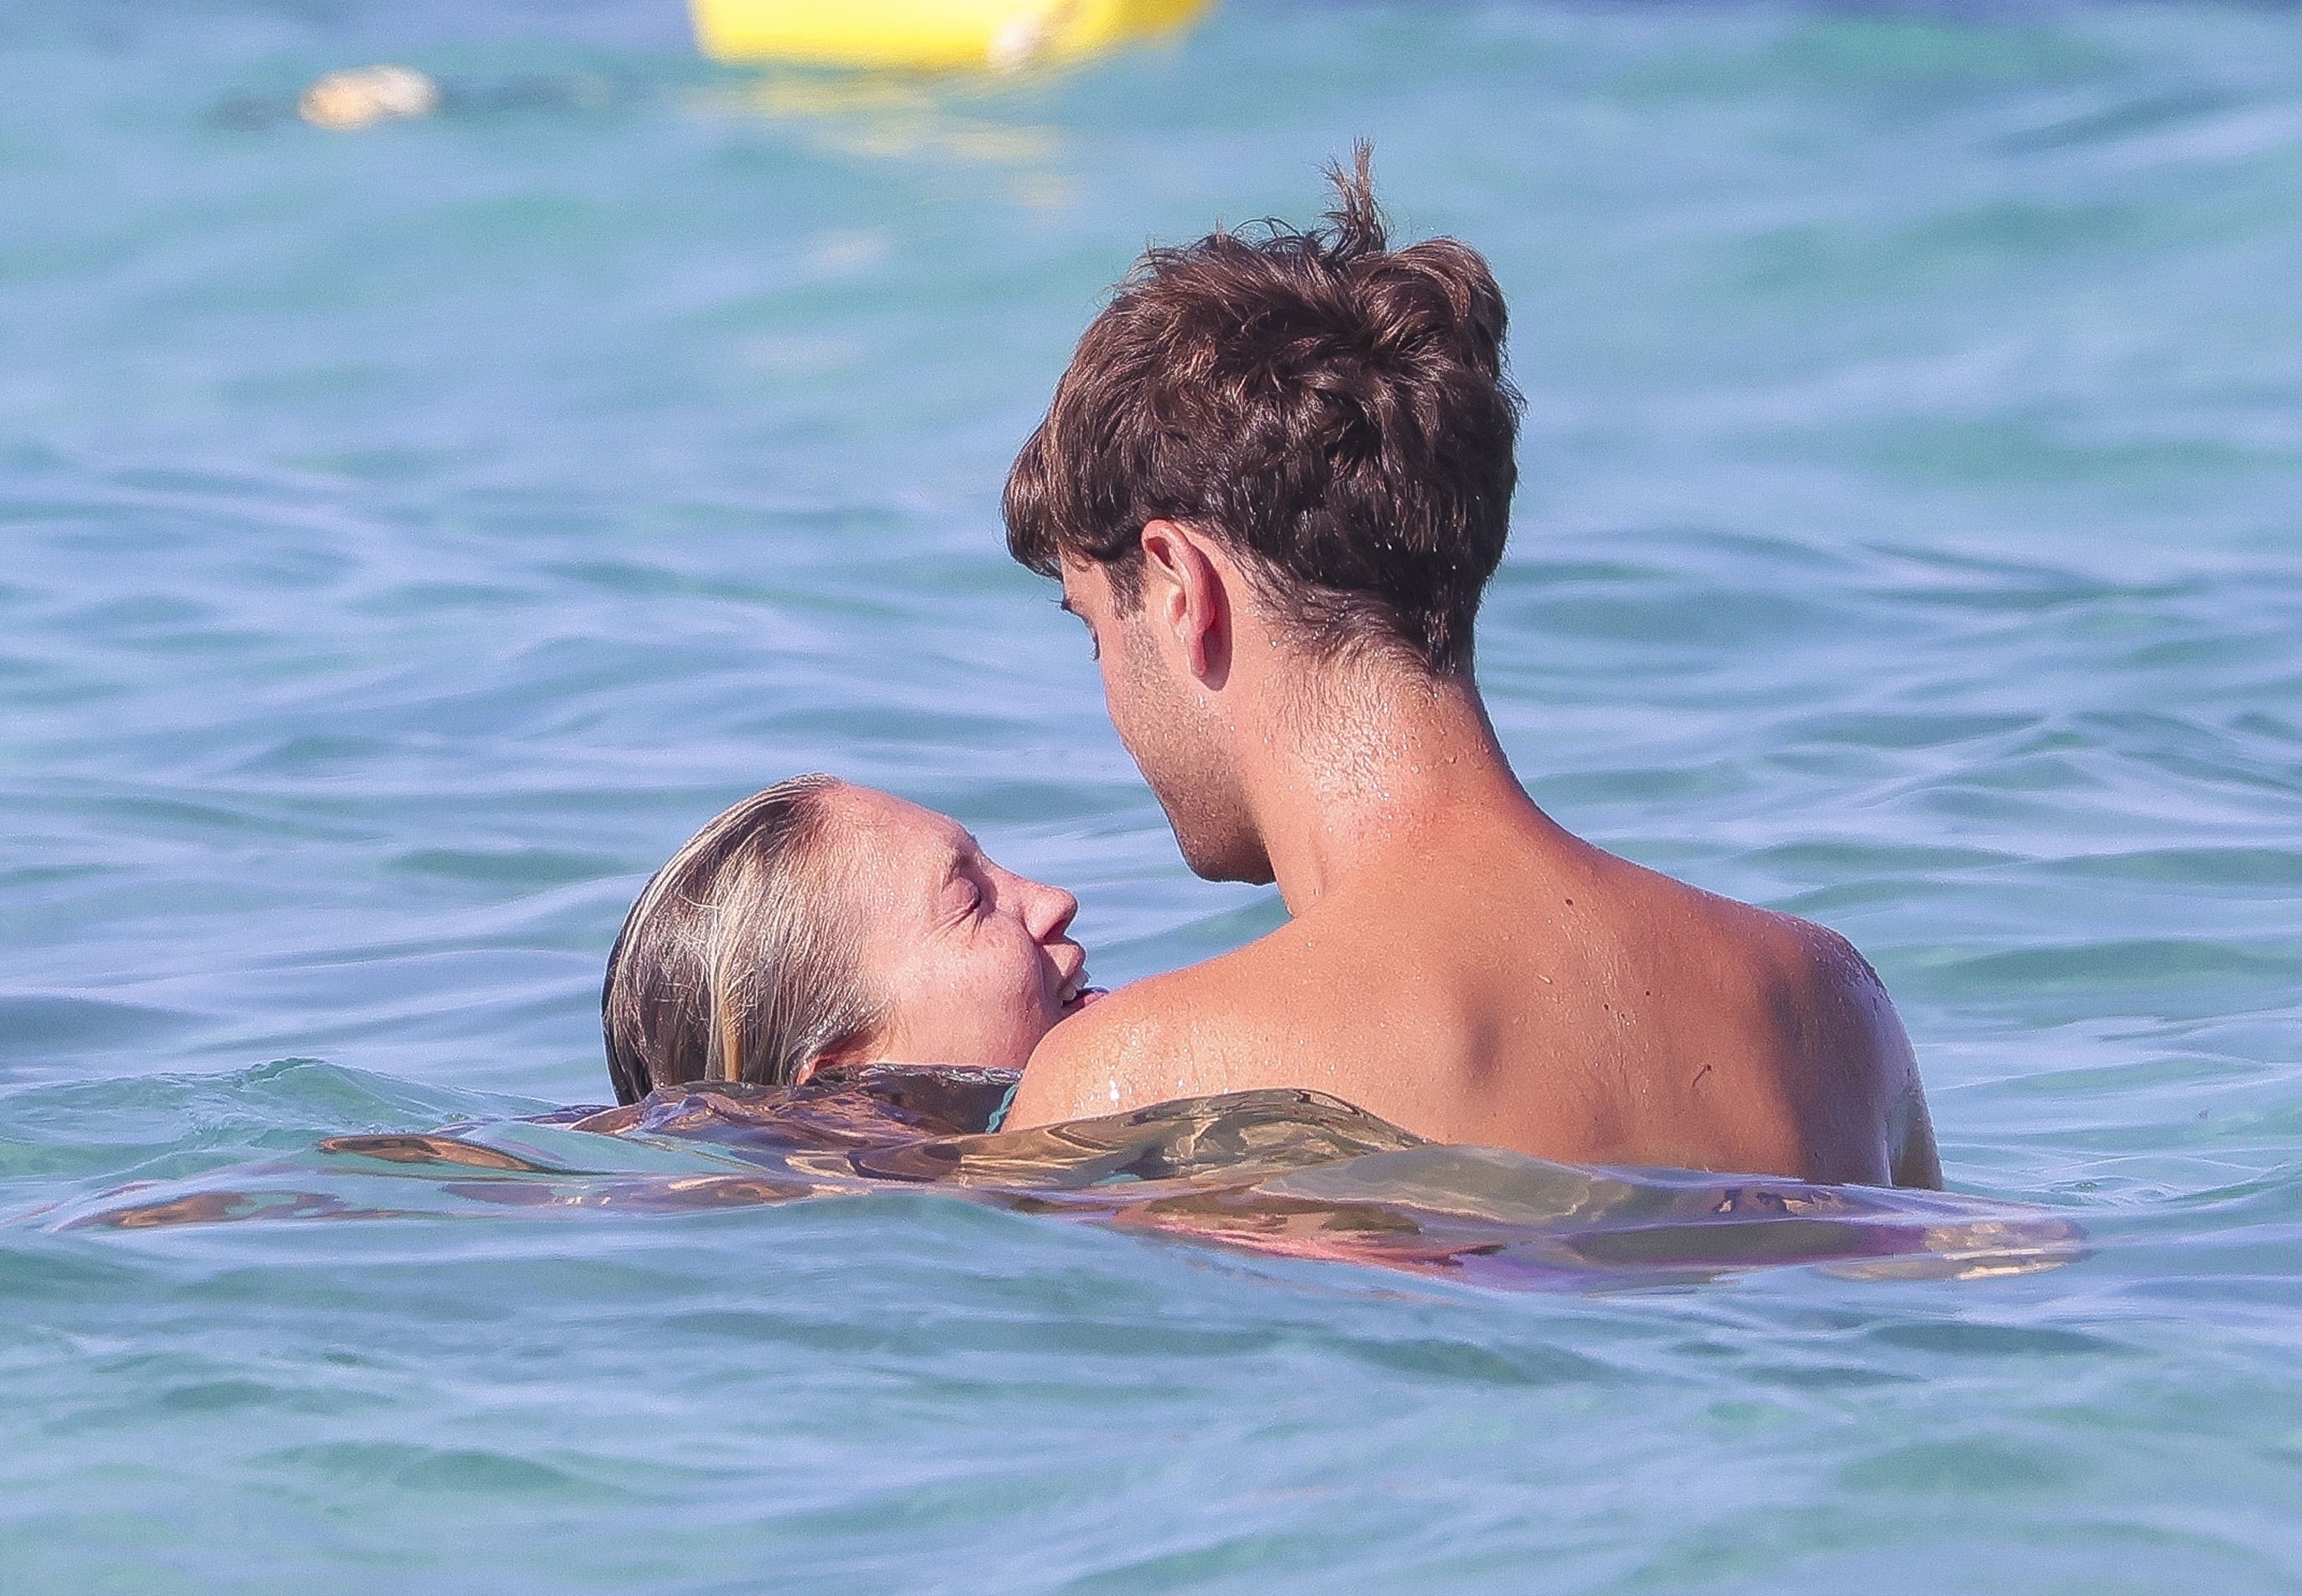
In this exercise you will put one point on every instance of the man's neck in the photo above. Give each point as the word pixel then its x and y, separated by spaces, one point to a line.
pixel 1369 769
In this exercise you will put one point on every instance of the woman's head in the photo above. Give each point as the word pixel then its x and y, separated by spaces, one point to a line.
pixel 819 922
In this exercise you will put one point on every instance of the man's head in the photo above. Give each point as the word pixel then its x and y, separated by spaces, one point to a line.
pixel 1320 416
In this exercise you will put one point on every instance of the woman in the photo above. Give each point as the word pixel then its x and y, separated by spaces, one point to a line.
pixel 821 923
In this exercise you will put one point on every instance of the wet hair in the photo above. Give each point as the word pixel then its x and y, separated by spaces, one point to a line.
pixel 728 968
pixel 1332 411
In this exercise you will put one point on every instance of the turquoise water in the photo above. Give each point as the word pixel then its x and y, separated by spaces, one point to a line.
pixel 412 534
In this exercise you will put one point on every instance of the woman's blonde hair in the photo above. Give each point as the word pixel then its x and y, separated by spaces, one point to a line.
pixel 739 962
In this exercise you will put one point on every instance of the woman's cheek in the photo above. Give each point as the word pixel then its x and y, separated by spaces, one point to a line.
pixel 1030 1011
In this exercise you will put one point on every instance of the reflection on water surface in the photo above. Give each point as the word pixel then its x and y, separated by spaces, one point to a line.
pixel 1289 1172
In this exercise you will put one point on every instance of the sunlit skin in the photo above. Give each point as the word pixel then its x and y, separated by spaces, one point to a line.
pixel 972 964
pixel 1455 962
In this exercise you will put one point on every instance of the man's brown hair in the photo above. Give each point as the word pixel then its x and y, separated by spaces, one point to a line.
pixel 1333 411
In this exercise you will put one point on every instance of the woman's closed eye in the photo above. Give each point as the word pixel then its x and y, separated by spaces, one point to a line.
pixel 967 897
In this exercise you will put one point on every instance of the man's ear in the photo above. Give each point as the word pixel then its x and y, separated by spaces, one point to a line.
pixel 1187 599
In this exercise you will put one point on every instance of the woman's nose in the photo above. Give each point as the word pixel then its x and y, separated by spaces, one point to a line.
pixel 1048 911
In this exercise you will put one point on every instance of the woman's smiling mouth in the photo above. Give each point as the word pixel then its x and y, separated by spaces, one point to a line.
pixel 1075 993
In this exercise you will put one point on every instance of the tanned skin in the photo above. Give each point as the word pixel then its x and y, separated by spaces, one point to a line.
pixel 1455 960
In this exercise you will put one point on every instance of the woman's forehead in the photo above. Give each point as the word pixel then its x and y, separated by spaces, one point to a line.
pixel 907 832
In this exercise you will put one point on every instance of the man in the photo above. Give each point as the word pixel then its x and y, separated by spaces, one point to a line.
pixel 1275 483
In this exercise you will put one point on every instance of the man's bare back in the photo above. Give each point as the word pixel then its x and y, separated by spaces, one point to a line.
pixel 1554 999
pixel 1275 483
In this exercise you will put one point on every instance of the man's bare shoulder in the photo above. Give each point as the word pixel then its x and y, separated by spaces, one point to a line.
pixel 1783 958
pixel 1806 1017
pixel 1824 973
pixel 1143 1043
pixel 1844 1045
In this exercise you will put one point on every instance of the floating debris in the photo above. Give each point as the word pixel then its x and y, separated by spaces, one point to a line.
pixel 362 96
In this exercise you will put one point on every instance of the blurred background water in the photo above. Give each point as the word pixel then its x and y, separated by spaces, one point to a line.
pixel 408 536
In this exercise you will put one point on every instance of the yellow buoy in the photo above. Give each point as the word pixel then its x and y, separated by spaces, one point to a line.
pixel 930 34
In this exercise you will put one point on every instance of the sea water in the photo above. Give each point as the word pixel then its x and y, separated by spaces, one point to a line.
pixel 409 535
